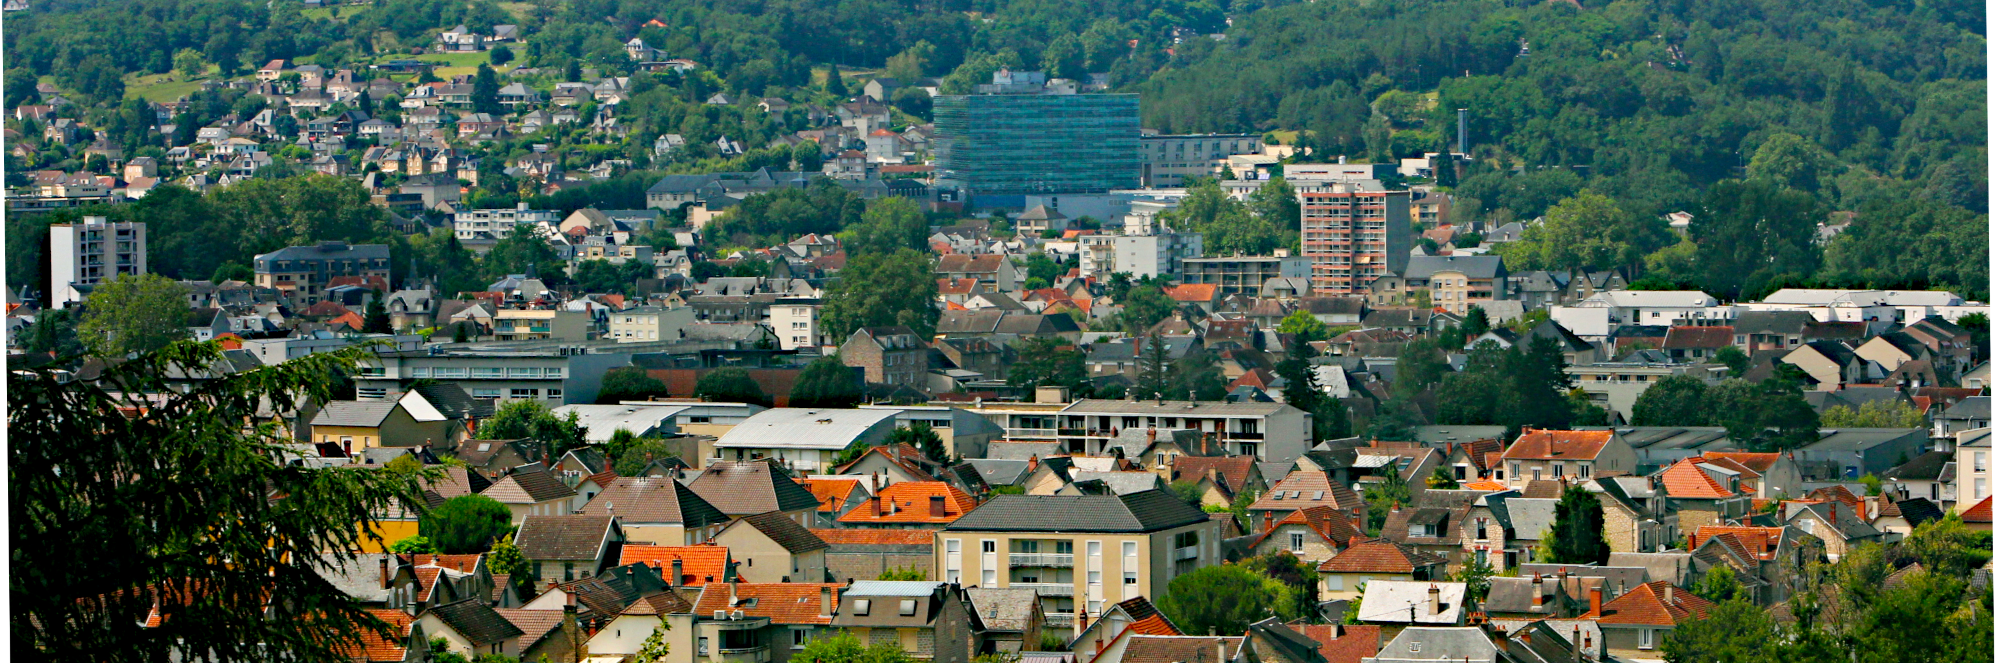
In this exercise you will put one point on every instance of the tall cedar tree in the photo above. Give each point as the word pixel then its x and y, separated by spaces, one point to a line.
pixel 1579 529
pixel 1046 361
pixel 828 383
pixel 185 509
pixel 1155 370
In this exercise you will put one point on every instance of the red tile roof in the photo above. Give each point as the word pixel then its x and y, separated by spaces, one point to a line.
pixel 1379 556
pixel 1759 541
pixel 1699 338
pixel 700 564
pixel 790 603
pixel 1483 484
pixel 1685 480
pixel 1344 644
pixel 831 493
pixel 1649 604
pixel 1146 619
pixel 1761 462
pixel 874 537
pixel 956 286
pixel 1981 512
pixel 1192 292
pixel 1234 470
pixel 1336 529
pixel 1558 444
pixel 374 647
pixel 910 502
pixel 1740 469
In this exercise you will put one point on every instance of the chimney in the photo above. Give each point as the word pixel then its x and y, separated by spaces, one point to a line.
pixel 1221 650
pixel 569 604
pixel 675 580
pixel 1596 600
pixel 1670 594
pixel 1268 526
pixel 1576 644
pixel 825 601
pixel 1437 602
pixel 385 570
pixel 877 502
pixel 1151 435
pixel 1586 641
pixel 732 592
pixel 1690 542
pixel 937 506
pixel 1537 594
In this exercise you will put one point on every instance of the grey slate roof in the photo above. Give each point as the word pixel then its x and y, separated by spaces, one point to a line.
pixel 742 488
pixel 451 399
pixel 529 484
pixel 1005 609
pixel 1976 407
pixel 654 500
pixel 477 621
pixel 1146 511
pixel 795 538
pixel 1021 451
pixel 999 471
pixel 365 414
pixel 1927 466
pixel 1476 267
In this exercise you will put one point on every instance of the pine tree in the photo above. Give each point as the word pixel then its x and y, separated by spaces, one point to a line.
pixel 834 85
pixel 1155 370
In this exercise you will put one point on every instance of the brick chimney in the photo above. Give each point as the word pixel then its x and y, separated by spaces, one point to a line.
pixel 937 506
pixel 876 501
pixel 1537 594
pixel 1268 525
pixel 385 571
pixel 1575 644
pixel 675 579
pixel 1670 594
pixel 1596 601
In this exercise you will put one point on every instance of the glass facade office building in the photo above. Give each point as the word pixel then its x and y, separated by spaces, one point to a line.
pixel 1026 144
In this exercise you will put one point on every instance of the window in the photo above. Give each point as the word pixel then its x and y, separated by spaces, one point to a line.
pixel 1979 488
pixel 1979 461
pixel 485 393
pixel 523 393
pixel 701 646
pixel 861 607
pixel 552 372
pixel 1482 529
pixel 1645 638
pixel 799 638
pixel 1298 542
pixel 1514 468
pixel 951 562
pixel 486 372
pixel 908 608
pixel 555 393
pixel 1335 582
pixel 987 546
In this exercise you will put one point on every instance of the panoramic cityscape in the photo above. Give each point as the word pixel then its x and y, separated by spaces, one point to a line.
pixel 1335 331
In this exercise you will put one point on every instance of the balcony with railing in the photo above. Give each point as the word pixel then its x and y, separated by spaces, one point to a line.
pixel 1060 560
pixel 1060 618
pixel 1189 552
pixel 1046 588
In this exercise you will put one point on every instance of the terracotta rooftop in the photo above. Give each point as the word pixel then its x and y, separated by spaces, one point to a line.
pixel 1234 470
pixel 1760 541
pixel 1192 292
pixel 1379 556
pixel 874 537
pixel 374 647
pixel 700 564
pixel 790 603
pixel 1686 480
pixel 1980 512
pixel 1698 338
pixel 1342 643
pixel 1336 529
pixel 912 502
pixel 832 493
pixel 1558 445
pixel 1656 603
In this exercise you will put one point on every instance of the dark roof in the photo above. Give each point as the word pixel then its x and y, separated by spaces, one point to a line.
pixel 1143 511
pixel 783 530
pixel 742 488
pixel 529 484
pixel 1926 467
pixel 451 400
pixel 1917 511
pixel 1772 322
pixel 654 500
pixel 1475 267
pixel 477 621
pixel 562 537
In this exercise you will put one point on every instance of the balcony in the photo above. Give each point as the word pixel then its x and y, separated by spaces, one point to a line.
pixel 1060 618
pixel 1189 552
pixel 757 654
pixel 1046 588
pixel 1031 433
pixel 1062 560
pixel 1242 435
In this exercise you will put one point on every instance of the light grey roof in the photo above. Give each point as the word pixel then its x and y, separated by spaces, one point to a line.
pixel 1439 435
pixel 1121 483
pixel 1976 407
pixel 1531 517
pixel 891 588
pixel 1389 601
pixel 1858 439
pixel 1004 609
pixel 1020 451
pixel 1668 566
pixel 329 251
pixel 600 421
pixel 803 428
pixel 999 471
pixel 359 578
pixel 1477 267
pixel 366 414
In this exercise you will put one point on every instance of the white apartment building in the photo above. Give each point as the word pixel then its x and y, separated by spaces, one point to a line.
pixel 484 224
pixel 1172 160
pixel 796 322
pixel 1273 432
pixel 647 324
pixel 81 255
pixel 1138 255
pixel 1594 318
pixel 1903 306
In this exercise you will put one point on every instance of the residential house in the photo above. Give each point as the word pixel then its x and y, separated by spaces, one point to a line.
pixel 560 549
pixel 1346 576
pixel 1312 535
pixel 754 622
pixel 683 567
pixel 1972 454
pixel 888 355
pixel 1011 620
pixel 408 421
pixel 1305 489
pixel 1705 492
pixel 805 439
pixel 749 488
pixel 1219 478
pixel 1576 455
pixel 870 553
pixel 1141 540
pixel 1395 605
pixel 788 552
pixel 1433 522
pixel 1635 625
pixel 1767 476
pixel 1136 615
pixel 927 620
pixel 994 272
pixel 1834 523
pixel 1469 644
pixel 471 628
pixel 532 490
pixel 659 511
pixel 1637 517
pixel 911 504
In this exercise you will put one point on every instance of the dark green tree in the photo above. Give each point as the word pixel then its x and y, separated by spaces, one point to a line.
pixel 533 420
pixel 730 385
pixel 1579 529
pixel 486 92
pixel 376 320
pixel 1734 358
pixel 889 224
pixel 53 333
pixel 1155 370
pixel 466 524
pixel 630 383
pixel 827 383
pixel 919 435
pixel 184 508
pixel 1216 599
pixel 129 313
pixel 1047 361
pixel 880 290
pixel 1678 400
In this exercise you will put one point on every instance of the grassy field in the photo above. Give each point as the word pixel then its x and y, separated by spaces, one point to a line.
pixel 327 12
pixel 450 64
pixel 159 87
pixel 518 10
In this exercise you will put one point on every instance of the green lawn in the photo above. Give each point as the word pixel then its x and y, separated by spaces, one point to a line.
pixel 327 12
pixel 450 64
pixel 159 87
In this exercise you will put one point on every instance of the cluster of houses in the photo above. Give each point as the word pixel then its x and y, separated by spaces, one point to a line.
pixel 1047 530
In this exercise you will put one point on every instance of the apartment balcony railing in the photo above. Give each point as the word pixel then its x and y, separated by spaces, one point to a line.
pixel 1046 588
pixel 1062 560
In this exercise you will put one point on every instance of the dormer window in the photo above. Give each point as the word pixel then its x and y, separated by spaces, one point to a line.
pixel 861 607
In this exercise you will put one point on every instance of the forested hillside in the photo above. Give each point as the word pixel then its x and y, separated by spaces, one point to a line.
pixel 1832 111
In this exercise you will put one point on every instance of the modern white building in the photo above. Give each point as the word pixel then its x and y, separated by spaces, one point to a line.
pixel 492 224
pixel 1273 432
pixel 1596 317
pixel 82 255
pixel 647 324
pixel 805 439
pixel 796 322
pixel 638 417
pixel 1902 306
pixel 1138 255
